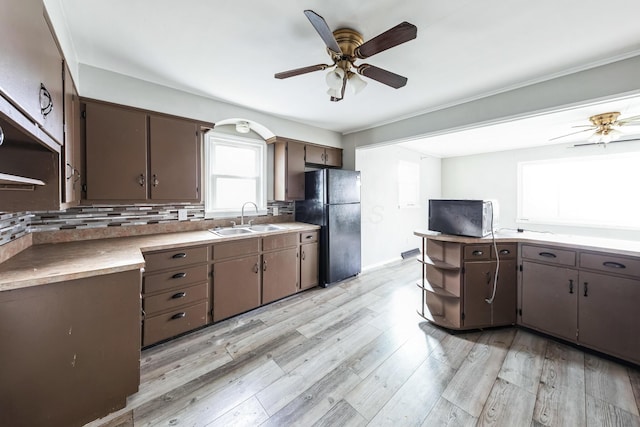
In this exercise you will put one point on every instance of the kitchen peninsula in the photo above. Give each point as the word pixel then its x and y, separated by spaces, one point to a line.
pixel 580 289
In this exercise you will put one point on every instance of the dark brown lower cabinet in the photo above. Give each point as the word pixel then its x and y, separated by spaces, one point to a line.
pixel 70 351
pixel 309 265
pixel 478 288
pixel 279 274
pixel 607 314
pixel 236 286
pixel 550 299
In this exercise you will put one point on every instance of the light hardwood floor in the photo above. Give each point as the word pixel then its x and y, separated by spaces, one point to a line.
pixel 358 354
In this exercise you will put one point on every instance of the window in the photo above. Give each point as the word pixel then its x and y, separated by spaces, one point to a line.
pixel 235 174
pixel 408 184
pixel 586 191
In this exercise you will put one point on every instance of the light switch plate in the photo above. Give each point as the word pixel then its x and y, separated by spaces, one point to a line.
pixel 182 214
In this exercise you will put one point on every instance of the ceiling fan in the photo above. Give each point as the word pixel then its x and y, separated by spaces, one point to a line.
pixel 605 128
pixel 345 46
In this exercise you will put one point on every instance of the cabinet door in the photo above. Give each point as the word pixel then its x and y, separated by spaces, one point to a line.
pixel 504 304
pixel 116 150
pixel 333 157
pixel 279 274
pixel 70 350
pixel 30 57
pixel 236 286
pixel 295 171
pixel 314 154
pixel 308 265
pixel 478 281
pixel 175 159
pixel 550 299
pixel 608 307
pixel 71 166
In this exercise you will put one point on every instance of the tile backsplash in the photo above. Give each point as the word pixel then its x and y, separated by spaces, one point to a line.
pixel 16 225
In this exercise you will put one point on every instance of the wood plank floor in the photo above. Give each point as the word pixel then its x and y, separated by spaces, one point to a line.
pixel 358 354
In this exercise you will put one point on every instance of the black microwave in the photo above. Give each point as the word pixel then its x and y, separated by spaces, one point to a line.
pixel 474 218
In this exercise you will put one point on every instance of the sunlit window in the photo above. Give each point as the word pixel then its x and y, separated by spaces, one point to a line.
pixel 596 191
pixel 235 174
pixel 408 184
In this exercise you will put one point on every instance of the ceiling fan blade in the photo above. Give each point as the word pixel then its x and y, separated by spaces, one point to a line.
pixel 399 34
pixel 628 120
pixel 572 133
pixel 324 31
pixel 383 76
pixel 303 70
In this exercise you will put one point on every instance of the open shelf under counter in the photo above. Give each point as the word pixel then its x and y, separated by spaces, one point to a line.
pixel 436 263
pixel 428 287
pixel 15 182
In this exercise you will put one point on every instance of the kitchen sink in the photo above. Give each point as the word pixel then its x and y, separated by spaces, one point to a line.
pixel 265 227
pixel 231 231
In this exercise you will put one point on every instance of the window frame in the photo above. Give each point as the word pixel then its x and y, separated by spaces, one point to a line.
pixel 218 138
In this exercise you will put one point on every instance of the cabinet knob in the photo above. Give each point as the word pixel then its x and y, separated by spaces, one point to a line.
pixel 46 103
pixel 155 180
pixel 586 289
pixel 570 286
pixel 264 265
pixel 256 268
pixel 178 315
pixel 141 180
pixel 303 255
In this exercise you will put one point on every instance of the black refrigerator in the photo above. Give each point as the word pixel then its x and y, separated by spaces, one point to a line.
pixel 332 201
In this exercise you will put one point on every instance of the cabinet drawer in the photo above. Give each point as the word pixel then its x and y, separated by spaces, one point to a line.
pixel 162 326
pixel 279 241
pixel 610 263
pixel 505 250
pixel 236 248
pixel 477 252
pixel 309 237
pixel 174 258
pixel 175 298
pixel 175 278
pixel 549 255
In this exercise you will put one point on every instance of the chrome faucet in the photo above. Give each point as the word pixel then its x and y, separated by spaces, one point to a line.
pixel 242 213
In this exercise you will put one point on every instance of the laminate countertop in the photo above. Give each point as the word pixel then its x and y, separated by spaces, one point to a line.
pixel 51 263
pixel 613 246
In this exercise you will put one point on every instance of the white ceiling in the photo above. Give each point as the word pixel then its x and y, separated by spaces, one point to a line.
pixel 465 49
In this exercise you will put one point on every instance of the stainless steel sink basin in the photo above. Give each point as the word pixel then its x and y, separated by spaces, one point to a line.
pixel 231 231
pixel 265 227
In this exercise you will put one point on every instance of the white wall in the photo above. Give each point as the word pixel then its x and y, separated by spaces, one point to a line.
pixel 387 230
pixel 494 176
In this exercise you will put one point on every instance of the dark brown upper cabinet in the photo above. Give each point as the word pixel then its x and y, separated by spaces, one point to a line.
pixel 31 67
pixel 137 155
pixel 288 169
pixel 71 165
pixel 316 155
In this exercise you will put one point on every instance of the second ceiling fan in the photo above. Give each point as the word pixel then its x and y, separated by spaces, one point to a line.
pixel 345 46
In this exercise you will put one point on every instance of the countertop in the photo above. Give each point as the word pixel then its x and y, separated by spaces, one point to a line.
pixel 614 246
pixel 51 263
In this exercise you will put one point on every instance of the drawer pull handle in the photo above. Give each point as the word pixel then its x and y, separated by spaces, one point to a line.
pixel 613 264
pixel 179 275
pixel 309 236
pixel 179 255
pixel 505 251
pixel 179 295
pixel 46 103
pixel 141 180
pixel 264 265
pixel 570 286
pixel 477 253
pixel 179 315
pixel 586 289
pixel 303 256
pixel 547 255
pixel 256 268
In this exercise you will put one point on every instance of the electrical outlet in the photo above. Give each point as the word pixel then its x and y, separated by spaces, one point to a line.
pixel 276 211
pixel 182 214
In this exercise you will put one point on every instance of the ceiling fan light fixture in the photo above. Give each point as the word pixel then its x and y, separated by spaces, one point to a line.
pixel 356 83
pixel 334 78
pixel 243 127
